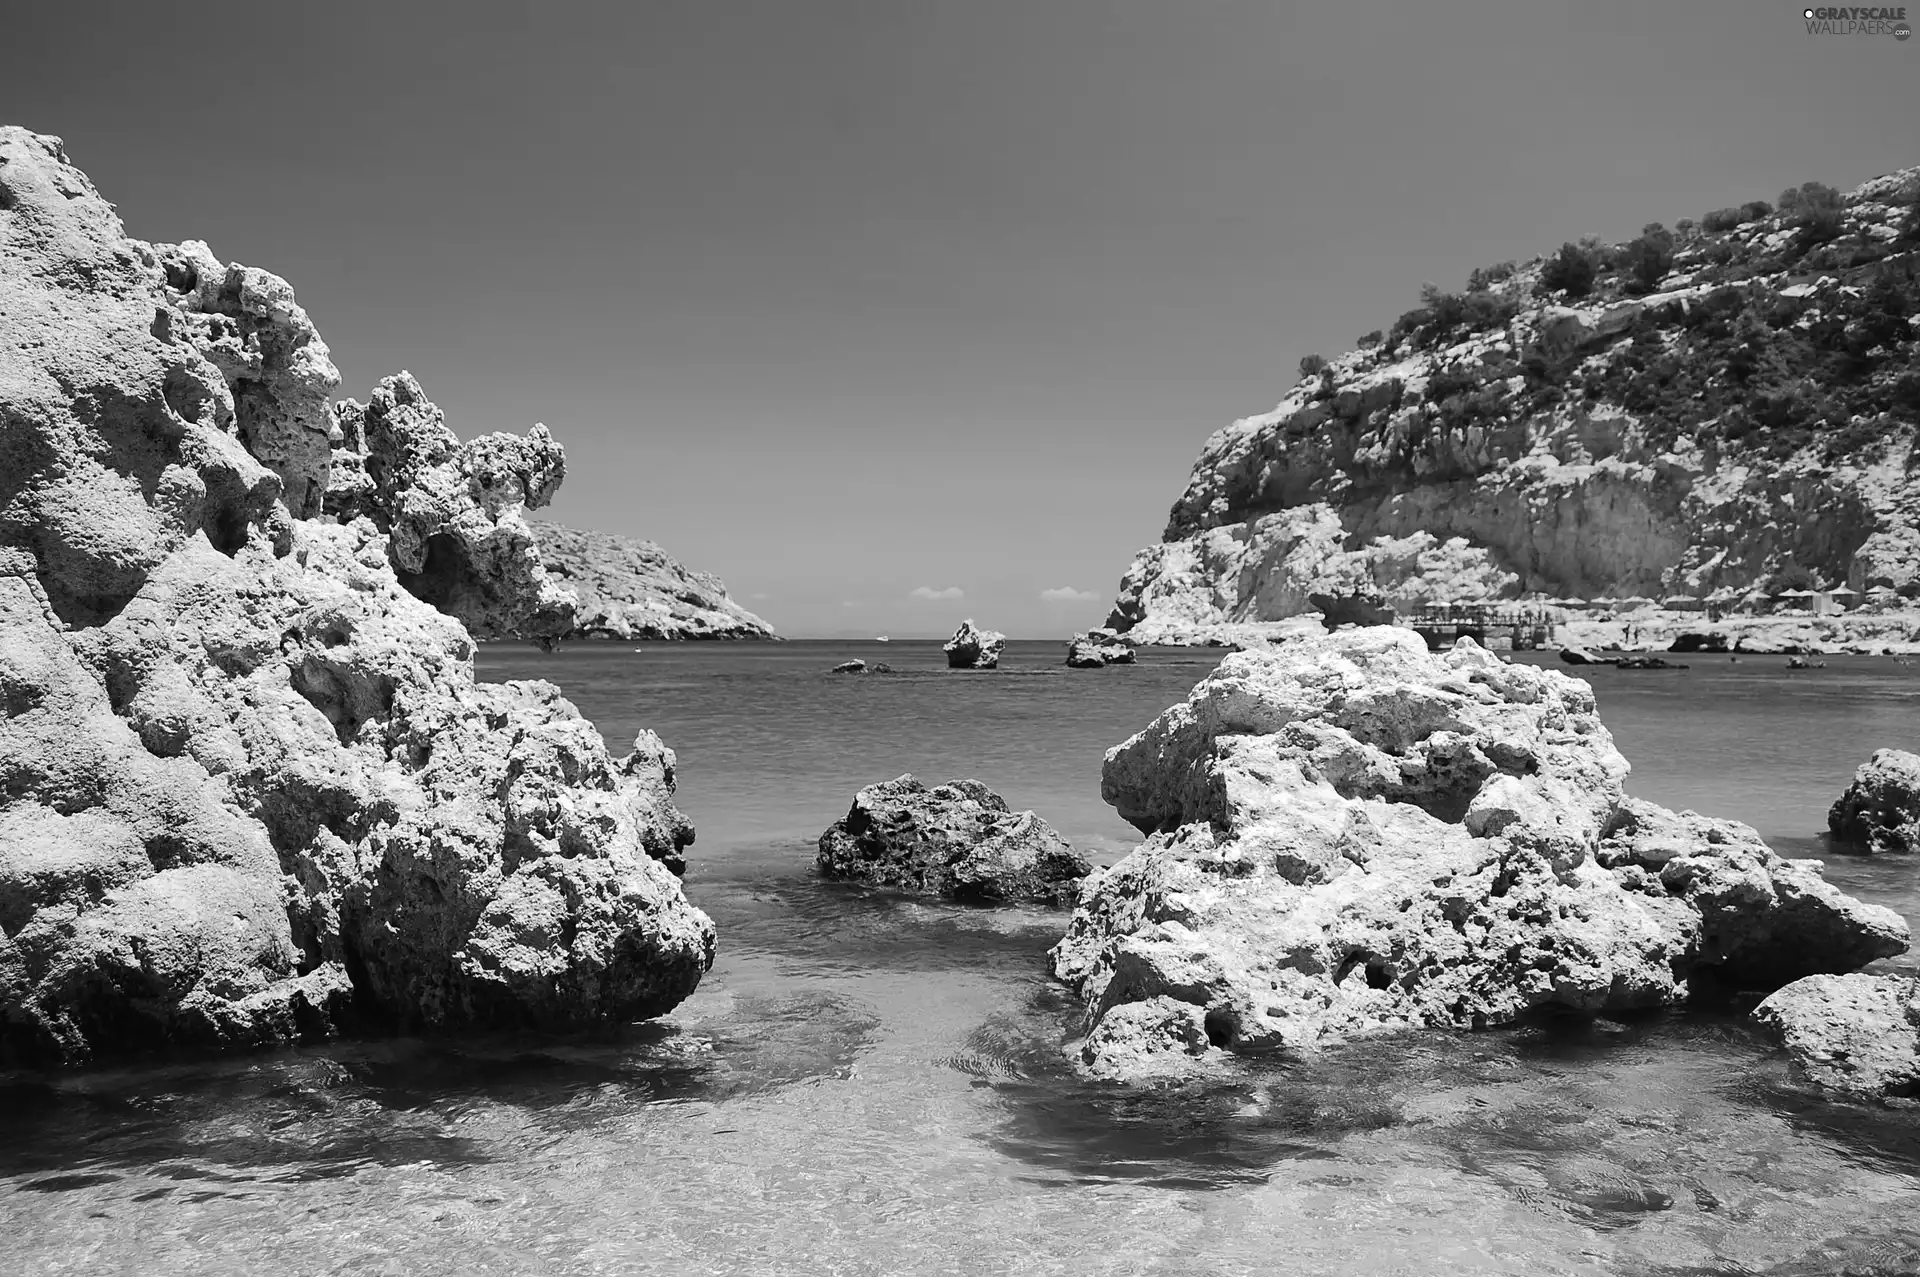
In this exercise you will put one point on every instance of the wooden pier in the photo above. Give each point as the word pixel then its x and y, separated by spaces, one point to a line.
pixel 1509 627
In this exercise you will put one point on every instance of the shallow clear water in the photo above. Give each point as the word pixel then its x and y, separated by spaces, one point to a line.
pixel 868 1084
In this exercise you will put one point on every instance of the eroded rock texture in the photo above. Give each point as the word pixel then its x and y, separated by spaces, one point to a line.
pixel 1857 1035
pixel 249 789
pixel 974 649
pixel 1881 808
pixel 629 589
pixel 1097 648
pixel 959 839
pixel 1349 835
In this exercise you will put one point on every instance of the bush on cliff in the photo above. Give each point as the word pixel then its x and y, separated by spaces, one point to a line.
pixel 1570 271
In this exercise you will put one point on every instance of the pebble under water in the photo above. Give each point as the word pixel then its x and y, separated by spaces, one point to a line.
pixel 870 1084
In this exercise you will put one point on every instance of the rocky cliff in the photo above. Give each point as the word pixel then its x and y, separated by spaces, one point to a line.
pixel 628 589
pixel 249 789
pixel 1727 404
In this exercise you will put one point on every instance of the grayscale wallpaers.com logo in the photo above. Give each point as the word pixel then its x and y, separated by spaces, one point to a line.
pixel 1856 20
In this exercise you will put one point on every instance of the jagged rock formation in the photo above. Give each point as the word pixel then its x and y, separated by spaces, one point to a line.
pixel 1097 648
pixel 1881 808
pixel 628 589
pixel 1717 409
pixel 958 839
pixel 1857 1035
pixel 1349 835
pixel 249 789
pixel 452 511
pixel 972 649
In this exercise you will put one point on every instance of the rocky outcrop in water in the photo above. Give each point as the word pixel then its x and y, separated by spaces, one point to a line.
pixel 1096 648
pixel 249 789
pixel 1349 835
pixel 958 839
pixel 1881 808
pixel 1717 407
pixel 973 649
pixel 628 589
pixel 1857 1035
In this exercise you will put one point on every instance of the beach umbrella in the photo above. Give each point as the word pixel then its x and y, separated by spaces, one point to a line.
pixel 1842 592
pixel 1681 602
pixel 1637 600
pixel 1576 603
pixel 1794 594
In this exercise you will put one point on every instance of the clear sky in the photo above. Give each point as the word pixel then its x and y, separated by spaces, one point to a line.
pixel 845 301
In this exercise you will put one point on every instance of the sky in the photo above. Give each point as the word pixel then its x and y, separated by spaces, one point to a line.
pixel 897 312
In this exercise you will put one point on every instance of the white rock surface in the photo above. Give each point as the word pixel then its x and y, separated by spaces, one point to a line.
pixel 1349 835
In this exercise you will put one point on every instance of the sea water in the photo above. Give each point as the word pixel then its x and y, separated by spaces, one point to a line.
pixel 870 1084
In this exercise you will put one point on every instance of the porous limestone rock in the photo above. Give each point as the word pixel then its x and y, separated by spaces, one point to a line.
pixel 249 789
pixel 1857 1035
pixel 972 649
pixel 1350 835
pixel 1097 648
pixel 452 511
pixel 1881 808
pixel 630 589
pixel 958 839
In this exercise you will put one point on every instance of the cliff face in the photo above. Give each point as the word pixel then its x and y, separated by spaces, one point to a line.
pixel 1696 410
pixel 628 589
pixel 250 791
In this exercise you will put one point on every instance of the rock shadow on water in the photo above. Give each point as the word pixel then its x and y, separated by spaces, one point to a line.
pixel 306 1114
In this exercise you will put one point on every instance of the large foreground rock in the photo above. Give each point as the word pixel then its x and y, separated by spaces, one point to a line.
pixel 1858 1035
pixel 1097 648
pixel 249 789
pixel 973 649
pixel 1881 808
pixel 629 589
pixel 1350 835
pixel 958 839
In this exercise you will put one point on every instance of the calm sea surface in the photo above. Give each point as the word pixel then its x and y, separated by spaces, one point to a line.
pixel 872 1085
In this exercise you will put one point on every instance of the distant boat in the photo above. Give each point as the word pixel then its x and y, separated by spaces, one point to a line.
pixel 881 638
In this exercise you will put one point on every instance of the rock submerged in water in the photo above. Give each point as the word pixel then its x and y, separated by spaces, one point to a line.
pixel 974 649
pixel 958 840
pixel 1350 836
pixel 1857 1035
pixel 1881 808
pixel 249 789
pixel 1098 648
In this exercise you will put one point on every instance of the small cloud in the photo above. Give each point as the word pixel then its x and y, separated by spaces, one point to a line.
pixel 932 595
pixel 851 603
pixel 761 595
pixel 1067 594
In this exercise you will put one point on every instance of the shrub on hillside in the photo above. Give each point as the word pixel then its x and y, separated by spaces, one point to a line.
pixel 1311 365
pixel 1648 258
pixel 1754 210
pixel 1370 340
pixel 1570 271
pixel 1721 219
pixel 1485 277
pixel 1807 197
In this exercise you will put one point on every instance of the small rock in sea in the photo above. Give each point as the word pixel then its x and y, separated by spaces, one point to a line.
pixel 1857 1034
pixel 1096 648
pixel 1802 663
pixel 1881 808
pixel 1647 663
pixel 879 667
pixel 1349 835
pixel 1581 656
pixel 855 666
pixel 974 649
pixel 958 840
